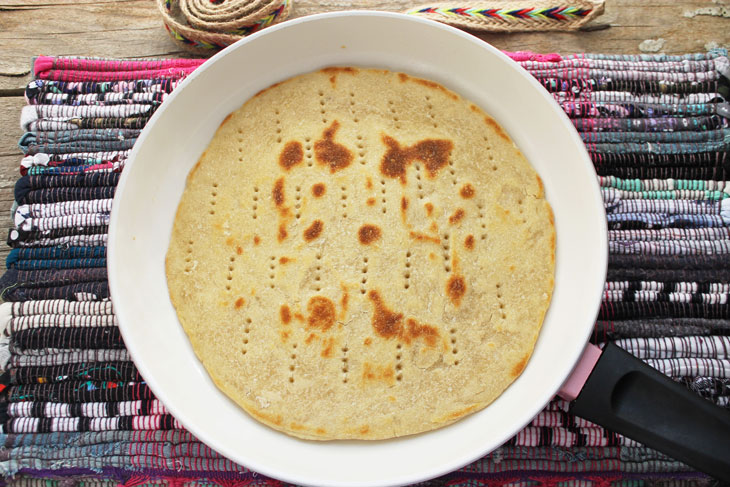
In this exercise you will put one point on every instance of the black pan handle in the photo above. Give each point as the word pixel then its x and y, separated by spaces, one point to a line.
pixel 625 395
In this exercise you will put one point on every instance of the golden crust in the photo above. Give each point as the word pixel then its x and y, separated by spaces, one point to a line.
pixel 361 254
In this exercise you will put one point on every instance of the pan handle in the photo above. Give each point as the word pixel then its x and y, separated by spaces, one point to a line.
pixel 625 395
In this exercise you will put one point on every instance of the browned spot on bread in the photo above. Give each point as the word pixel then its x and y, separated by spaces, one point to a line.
pixel 433 227
pixel 469 242
pixel 281 236
pixel 422 237
pixel 321 313
pixel 364 429
pixel 334 71
pixel 297 426
pixel 285 314
pixel 291 155
pixel 367 341
pixel 432 256
pixel 229 240
pixel 368 234
pixel 370 201
pixel 473 108
pixel 385 322
pixel 520 366
pixel 415 330
pixel 495 126
pixel 277 193
pixel 318 190
pixel 339 69
pixel 195 167
pixel 429 209
pixel 403 203
pixel 256 240
pixel 310 338
pixel 457 216
pixel 541 190
pixel 372 372
pixel 225 120
pixel 284 260
pixel 239 250
pixel 434 153
pixel 456 288
pixel 299 317
pixel 239 302
pixel 344 300
pixel 329 153
pixel 403 77
pixel 467 191
pixel 369 183
pixel 314 230
pixel 320 431
pixel 389 324
pixel 266 417
pixel 284 334
pixel 461 412
pixel 329 346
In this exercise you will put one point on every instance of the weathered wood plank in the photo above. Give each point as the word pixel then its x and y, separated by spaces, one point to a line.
pixel 133 28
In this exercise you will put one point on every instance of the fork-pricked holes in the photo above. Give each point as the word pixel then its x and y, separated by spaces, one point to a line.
pixel 500 303
pixel 446 246
pixel 482 222
pixel 343 200
pixel 452 345
pixel 361 150
pixel 355 118
pixel 246 335
pixel 364 275
pixel 213 196
pixel 399 362
pixel 318 273
pixel 322 106
pixel 429 112
pixel 297 202
pixel 292 362
pixel 345 365
pixel 231 268
pixel 255 205
pixel 394 114
pixel 189 263
pixel 278 127
pixel 272 271
pixel 407 271
pixel 383 196
pixel 419 184
pixel 308 155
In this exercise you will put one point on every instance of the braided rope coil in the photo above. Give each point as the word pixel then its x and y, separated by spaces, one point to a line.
pixel 513 16
pixel 204 26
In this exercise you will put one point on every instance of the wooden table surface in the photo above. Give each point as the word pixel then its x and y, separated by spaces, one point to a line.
pixel 133 29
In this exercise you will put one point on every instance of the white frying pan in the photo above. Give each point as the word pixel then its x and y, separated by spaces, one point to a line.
pixel 153 180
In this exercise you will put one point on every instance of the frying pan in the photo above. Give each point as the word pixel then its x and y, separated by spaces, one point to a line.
pixel 153 181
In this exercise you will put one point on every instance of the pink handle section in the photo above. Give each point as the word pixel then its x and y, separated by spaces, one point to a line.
pixel 573 385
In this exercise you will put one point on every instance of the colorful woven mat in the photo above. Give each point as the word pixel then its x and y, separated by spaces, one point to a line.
pixel 75 411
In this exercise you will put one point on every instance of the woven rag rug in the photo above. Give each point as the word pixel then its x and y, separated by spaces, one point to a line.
pixel 75 410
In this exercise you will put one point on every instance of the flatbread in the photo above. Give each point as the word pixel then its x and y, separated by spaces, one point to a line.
pixel 361 254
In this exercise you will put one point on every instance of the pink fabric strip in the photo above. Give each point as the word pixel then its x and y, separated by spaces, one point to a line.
pixel 78 69
pixel 534 56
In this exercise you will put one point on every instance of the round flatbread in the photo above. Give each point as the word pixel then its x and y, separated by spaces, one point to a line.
pixel 361 254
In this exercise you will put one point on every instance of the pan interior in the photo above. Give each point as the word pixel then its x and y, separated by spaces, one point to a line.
pixel 177 135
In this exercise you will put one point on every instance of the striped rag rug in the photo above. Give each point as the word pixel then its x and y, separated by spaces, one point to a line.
pixel 74 410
